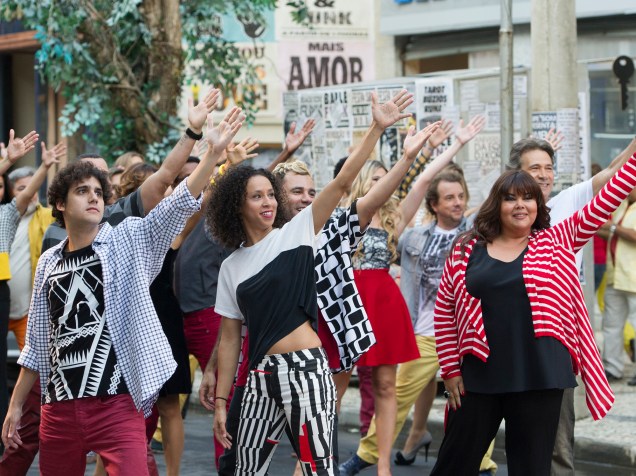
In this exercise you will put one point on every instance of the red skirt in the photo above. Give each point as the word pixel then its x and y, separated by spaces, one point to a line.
pixel 389 317
pixel 328 343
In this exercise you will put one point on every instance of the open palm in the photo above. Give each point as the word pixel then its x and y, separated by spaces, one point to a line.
pixel 413 142
pixel 468 133
pixel 388 113
pixel 219 137
pixel 197 114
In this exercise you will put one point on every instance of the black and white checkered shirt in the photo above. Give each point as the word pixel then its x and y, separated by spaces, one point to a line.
pixel 131 256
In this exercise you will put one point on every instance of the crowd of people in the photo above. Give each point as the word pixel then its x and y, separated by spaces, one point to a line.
pixel 278 291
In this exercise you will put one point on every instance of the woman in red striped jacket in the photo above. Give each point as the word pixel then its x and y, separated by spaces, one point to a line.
pixel 511 325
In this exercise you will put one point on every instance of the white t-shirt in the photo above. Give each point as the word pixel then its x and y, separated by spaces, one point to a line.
pixel 271 285
pixel 431 262
pixel 567 203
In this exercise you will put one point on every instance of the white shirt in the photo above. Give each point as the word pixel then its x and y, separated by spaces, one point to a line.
pixel 568 202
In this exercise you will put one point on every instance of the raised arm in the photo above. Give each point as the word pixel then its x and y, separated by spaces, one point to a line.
pixel 384 115
pixel 218 138
pixel 17 148
pixel 601 178
pixel 293 140
pixel 411 203
pixel 382 191
pixel 586 222
pixel 436 139
pixel 154 188
pixel 49 157
pixel 229 348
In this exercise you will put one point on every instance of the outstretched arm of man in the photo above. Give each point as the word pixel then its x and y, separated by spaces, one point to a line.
pixel 384 115
pixel 218 138
pixel 49 157
pixel 17 148
pixel 293 140
pixel 463 135
pixel 154 188
pixel 382 191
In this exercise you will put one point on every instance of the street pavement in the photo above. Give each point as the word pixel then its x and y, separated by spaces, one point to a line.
pixel 606 447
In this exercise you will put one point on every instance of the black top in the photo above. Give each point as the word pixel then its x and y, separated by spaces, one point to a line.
pixel 271 285
pixel 518 360
pixel 81 353
pixel 171 319
pixel 197 269
pixel 269 320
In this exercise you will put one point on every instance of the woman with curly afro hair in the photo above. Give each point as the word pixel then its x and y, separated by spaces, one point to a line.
pixel 269 283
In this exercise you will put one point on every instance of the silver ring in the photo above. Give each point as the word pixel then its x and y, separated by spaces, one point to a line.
pixel 446 394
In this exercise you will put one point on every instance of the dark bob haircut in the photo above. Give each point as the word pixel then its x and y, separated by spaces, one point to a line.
pixel 487 225
pixel 70 175
pixel 227 196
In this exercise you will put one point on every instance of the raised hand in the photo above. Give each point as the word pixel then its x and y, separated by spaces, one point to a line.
pixel 293 139
pixel 467 133
pixel 219 137
pixel 3 151
pixel 18 147
pixel 52 156
pixel 198 114
pixel 237 153
pixel 387 114
pixel 201 148
pixel 413 142
pixel 555 138
pixel 441 134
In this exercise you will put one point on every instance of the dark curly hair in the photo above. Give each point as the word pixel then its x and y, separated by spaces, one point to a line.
pixel 69 175
pixel 227 196
pixel 487 225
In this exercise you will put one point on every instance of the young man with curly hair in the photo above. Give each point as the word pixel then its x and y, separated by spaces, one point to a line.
pixel 93 334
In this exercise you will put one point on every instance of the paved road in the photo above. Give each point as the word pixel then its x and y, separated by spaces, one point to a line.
pixel 198 461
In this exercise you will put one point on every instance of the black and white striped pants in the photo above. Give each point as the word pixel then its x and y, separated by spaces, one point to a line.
pixel 296 391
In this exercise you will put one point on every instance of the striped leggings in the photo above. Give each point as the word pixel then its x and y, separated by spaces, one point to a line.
pixel 293 391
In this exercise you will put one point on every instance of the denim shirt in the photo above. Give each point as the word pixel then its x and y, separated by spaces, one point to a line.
pixel 411 245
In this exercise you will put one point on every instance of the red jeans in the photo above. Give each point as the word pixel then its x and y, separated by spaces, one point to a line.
pixel 201 330
pixel 110 426
pixel 17 461
pixel 367 400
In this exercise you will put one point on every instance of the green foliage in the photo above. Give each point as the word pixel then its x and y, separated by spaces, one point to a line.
pixel 99 54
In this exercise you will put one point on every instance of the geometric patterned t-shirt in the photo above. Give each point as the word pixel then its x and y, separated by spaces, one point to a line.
pixel 81 353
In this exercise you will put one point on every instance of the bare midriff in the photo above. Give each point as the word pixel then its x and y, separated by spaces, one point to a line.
pixel 303 337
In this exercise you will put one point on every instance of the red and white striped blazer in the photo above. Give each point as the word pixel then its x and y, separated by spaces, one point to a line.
pixel 556 298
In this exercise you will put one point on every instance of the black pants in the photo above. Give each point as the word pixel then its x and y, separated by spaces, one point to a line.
pixel 4 330
pixel 531 423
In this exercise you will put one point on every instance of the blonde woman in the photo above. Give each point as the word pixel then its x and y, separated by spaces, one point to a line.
pixel 382 299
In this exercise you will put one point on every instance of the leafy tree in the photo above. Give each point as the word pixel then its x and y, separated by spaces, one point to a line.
pixel 120 64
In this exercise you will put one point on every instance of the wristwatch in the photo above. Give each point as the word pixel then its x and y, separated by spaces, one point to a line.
pixel 612 229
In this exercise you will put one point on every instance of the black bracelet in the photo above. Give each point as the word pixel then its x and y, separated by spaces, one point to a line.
pixel 193 135
pixel 220 398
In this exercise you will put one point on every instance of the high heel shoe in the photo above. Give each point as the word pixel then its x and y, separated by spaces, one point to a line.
pixel 407 459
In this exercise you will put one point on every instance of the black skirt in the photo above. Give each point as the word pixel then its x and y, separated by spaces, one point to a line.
pixel 171 318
